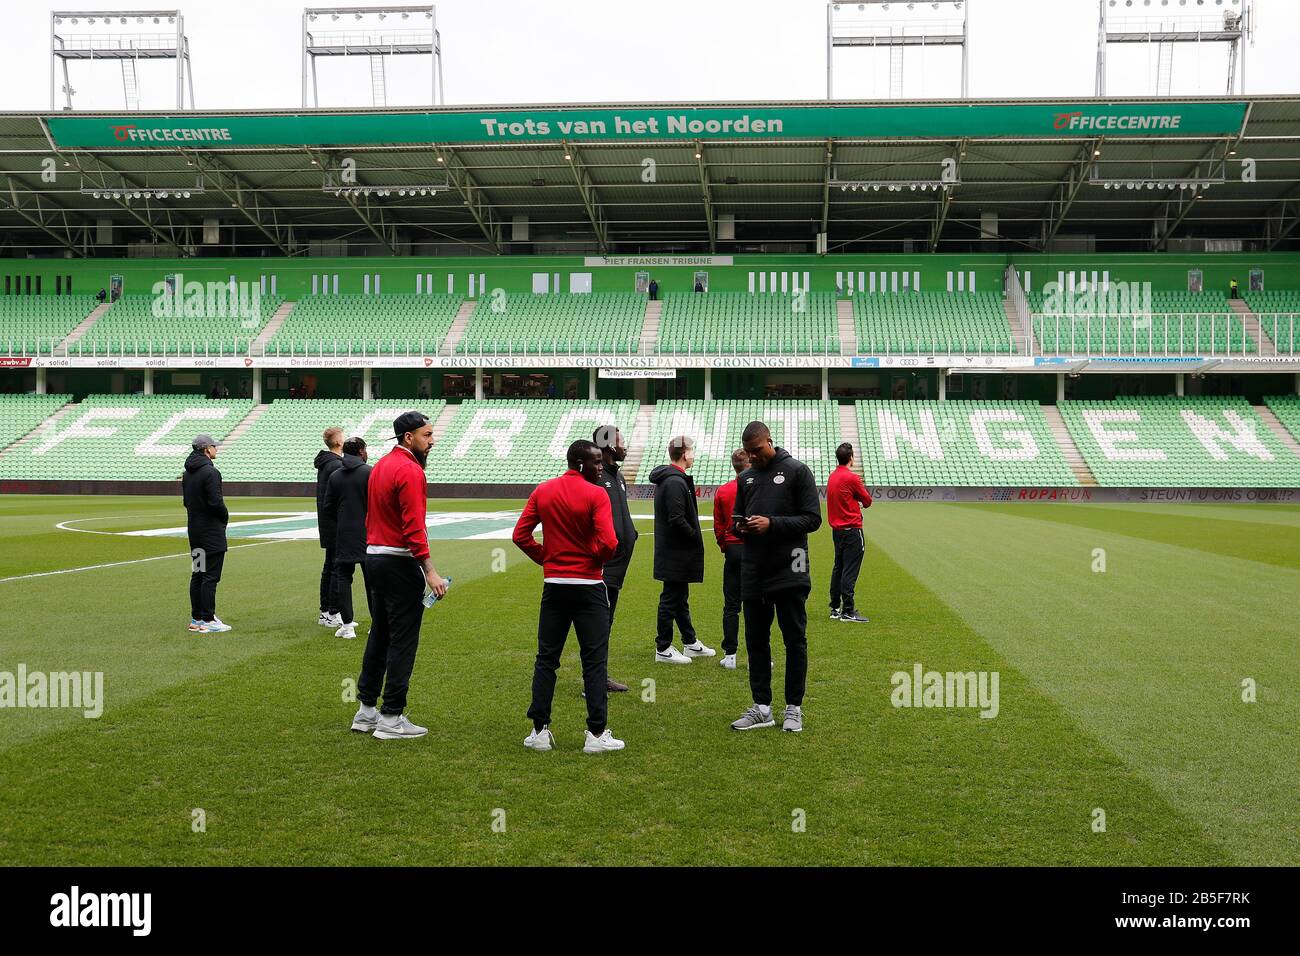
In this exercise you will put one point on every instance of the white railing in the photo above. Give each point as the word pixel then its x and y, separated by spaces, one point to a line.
pixel 1163 333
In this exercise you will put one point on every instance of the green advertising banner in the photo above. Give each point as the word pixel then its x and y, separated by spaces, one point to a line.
pixel 635 123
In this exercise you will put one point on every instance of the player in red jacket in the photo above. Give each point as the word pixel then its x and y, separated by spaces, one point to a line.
pixel 724 503
pixel 397 569
pixel 578 537
pixel 844 493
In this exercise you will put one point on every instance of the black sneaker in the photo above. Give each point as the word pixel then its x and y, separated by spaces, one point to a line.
pixel 854 618
pixel 835 614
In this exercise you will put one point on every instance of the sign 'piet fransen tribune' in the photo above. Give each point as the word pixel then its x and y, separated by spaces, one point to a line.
pixel 640 123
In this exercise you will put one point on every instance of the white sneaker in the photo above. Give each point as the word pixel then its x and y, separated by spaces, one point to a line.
pixel 602 744
pixel 671 656
pixel 397 727
pixel 698 650
pixel 541 739
pixel 215 625
pixel 364 723
pixel 728 661
pixel 348 631
pixel 326 619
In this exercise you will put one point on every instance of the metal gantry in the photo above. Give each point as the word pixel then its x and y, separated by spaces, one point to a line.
pixel 413 31
pixel 1167 23
pixel 124 36
pixel 895 26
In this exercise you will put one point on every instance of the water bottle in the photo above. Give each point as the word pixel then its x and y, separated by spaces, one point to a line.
pixel 430 599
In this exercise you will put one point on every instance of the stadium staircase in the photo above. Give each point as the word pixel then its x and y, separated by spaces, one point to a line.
pixel 1251 324
pixel 247 423
pixel 636 443
pixel 95 315
pixel 1277 428
pixel 650 327
pixel 849 429
pixel 449 411
pixel 457 330
pixel 268 331
pixel 848 329
pixel 39 430
pixel 1069 450
pixel 1019 333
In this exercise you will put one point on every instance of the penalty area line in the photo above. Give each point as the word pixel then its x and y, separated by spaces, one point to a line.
pixel 118 564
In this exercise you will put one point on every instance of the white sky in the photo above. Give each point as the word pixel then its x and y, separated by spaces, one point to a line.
pixel 246 55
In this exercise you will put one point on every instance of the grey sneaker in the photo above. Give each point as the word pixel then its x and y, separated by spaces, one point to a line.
pixel 397 727
pixel 754 718
pixel 855 618
pixel 793 722
pixel 363 724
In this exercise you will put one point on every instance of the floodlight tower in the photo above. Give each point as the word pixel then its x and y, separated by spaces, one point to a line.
pixel 374 32
pixel 125 36
pixel 1169 22
pixel 896 26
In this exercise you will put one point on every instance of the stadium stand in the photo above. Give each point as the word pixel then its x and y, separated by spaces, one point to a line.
pixel 131 327
pixel 959 443
pixel 122 438
pixel 19 414
pixel 1279 317
pixel 283 441
pixel 737 323
pixel 1193 442
pixel 1287 410
pixel 390 324
pixel 808 430
pixel 519 440
pixel 1179 323
pixel 34 325
pixel 914 322
pixel 547 324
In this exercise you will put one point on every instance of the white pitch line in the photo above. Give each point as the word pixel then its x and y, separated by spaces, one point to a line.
pixel 118 564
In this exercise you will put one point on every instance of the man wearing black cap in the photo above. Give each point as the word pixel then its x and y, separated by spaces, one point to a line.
pixel 397 569
pixel 612 449
pixel 206 520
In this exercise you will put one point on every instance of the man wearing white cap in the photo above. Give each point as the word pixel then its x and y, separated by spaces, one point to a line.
pixel 206 520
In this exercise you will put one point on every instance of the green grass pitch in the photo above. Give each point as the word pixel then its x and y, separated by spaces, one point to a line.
pixel 1120 691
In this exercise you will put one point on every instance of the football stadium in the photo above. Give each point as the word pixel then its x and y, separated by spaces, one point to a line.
pixel 1058 335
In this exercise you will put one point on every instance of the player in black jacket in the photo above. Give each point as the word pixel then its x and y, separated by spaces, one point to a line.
pixel 328 460
pixel 777 507
pixel 345 506
pixel 610 442
pixel 206 517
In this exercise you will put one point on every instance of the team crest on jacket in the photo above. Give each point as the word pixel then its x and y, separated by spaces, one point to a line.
pixel 778 479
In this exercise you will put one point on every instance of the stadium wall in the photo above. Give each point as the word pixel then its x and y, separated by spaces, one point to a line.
pixel 727 273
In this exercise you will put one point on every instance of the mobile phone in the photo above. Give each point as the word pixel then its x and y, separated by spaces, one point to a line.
pixel 738 521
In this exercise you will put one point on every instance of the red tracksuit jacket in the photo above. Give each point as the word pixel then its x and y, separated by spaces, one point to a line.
pixel 395 504
pixel 724 505
pixel 578 534
pixel 844 490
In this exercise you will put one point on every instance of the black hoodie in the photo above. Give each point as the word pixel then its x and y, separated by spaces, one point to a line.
pixel 326 464
pixel 205 509
pixel 679 546
pixel 616 569
pixel 786 494
pixel 345 505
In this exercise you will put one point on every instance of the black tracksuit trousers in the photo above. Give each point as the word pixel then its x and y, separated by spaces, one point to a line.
pixel 789 605
pixel 585 608
pixel 396 593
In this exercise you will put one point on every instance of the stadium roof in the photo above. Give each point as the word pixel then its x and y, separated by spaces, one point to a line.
pixel 782 191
